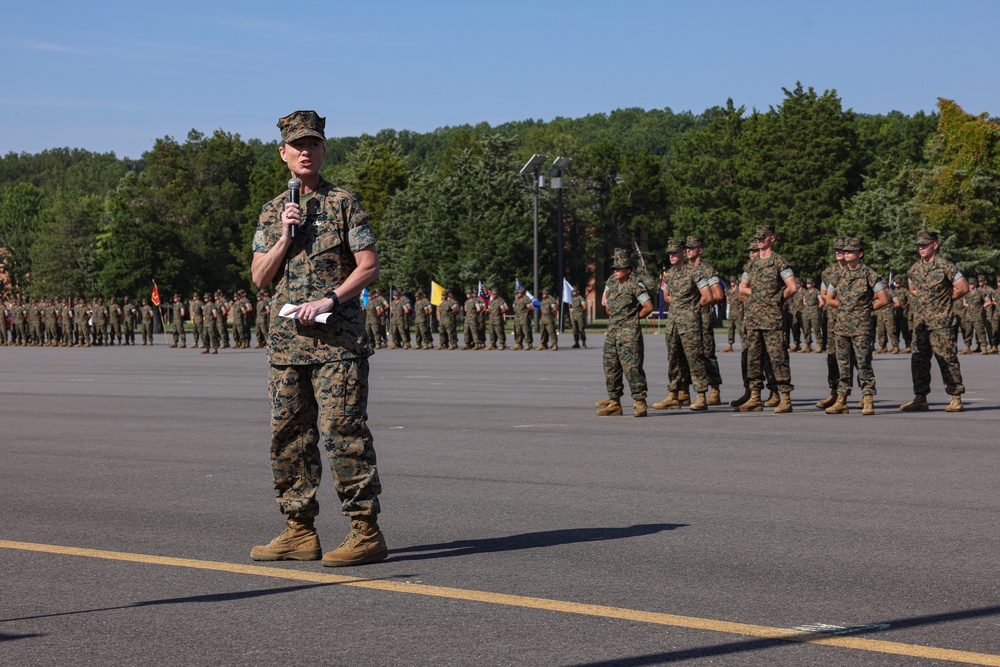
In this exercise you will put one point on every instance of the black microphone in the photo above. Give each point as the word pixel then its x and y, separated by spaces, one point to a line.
pixel 294 186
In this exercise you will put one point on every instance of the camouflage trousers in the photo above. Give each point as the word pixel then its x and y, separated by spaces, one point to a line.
pixel 497 335
pixel 522 332
pixel 448 333
pixel 833 367
pixel 579 329
pixel 855 351
pixel 547 331
pixel 262 328
pixel 940 343
pixel 373 330
pixel 735 325
pixel 210 335
pixel 774 344
pixel 424 336
pixel 179 332
pixel 977 326
pixel 197 331
pixel 686 361
pixel 400 332
pixel 147 332
pixel 811 325
pixel 325 403
pixel 624 354
pixel 711 360
pixel 885 331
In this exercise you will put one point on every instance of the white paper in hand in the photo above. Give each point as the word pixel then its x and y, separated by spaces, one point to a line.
pixel 320 319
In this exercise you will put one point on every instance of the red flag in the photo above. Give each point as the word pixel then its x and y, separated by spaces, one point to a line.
pixel 156 295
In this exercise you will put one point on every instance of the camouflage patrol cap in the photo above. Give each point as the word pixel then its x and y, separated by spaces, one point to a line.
pixel 980 278
pixel 764 231
pixel 924 237
pixel 206 295
pixel 693 242
pixel 852 244
pixel 752 246
pixel 673 245
pixel 838 244
pixel 301 124
pixel 620 260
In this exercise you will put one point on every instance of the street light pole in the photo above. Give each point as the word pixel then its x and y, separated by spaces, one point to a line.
pixel 532 168
pixel 554 172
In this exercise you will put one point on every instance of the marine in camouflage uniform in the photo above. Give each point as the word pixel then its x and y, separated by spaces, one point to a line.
pixel 35 331
pixel 263 317
pixel 992 313
pixel 180 339
pixel 960 323
pixel 627 302
pixel 886 335
pixel 146 316
pixel 99 316
pixel 693 249
pixel 114 322
pixel 854 292
pixel 4 329
pixel 768 282
pixel 447 311
pixel 735 315
pixel 935 284
pixel 212 312
pixel 830 323
pixel 471 336
pixel 66 323
pixel 80 323
pixel 976 313
pixel 769 381
pixel 50 319
pixel 549 309
pixel 523 339
pixel 373 312
pixel 318 378
pixel 422 310
pixel 793 321
pixel 901 313
pixel 400 321
pixel 686 291
pixel 578 319
pixel 497 311
pixel 196 310
pixel 811 326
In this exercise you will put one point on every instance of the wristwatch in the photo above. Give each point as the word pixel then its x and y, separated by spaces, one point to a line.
pixel 336 299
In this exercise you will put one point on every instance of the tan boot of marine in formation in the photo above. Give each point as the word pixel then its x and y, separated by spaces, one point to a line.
pixel 298 541
pixel 604 403
pixel 839 407
pixel 918 404
pixel 785 405
pixel 867 405
pixel 737 402
pixel 683 397
pixel 772 400
pixel 668 403
pixel 613 408
pixel 827 402
pixel 700 403
pixel 714 396
pixel 955 405
pixel 753 403
pixel 639 408
pixel 364 544
pixel 728 348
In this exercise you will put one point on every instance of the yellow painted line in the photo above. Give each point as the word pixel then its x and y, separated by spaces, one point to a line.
pixel 691 622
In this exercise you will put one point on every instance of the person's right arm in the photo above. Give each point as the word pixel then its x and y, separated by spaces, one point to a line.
pixel 265 265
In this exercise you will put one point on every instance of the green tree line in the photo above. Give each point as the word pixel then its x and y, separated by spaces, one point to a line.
pixel 448 205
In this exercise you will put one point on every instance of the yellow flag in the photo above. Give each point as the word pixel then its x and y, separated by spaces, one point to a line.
pixel 437 293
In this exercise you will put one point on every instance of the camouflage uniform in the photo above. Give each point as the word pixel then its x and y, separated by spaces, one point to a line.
pixel 196 310
pixel 180 339
pixel 735 316
pixel 80 316
pixel 793 322
pixel 222 308
pixel 931 288
pixel 763 317
pixel 447 311
pixel 522 322
pixel 3 323
pixel 400 321
pixel 832 365
pixel 471 335
pixel 99 315
pixel 685 329
pixel 263 317
pixel 901 313
pixel 855 291
pixel 549 309
pixel 35 331
pixel 885 329
pixel 578 318
pixel 422 310
pixel 976 314
pixel 373 312
pixel 624 351
pixel 318 381
pixel 810 316
pixel 497 310
pixel 50 318
pixel 147 314
pixel 713 281
pixel 114 322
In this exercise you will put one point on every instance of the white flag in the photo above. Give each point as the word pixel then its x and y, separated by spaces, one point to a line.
pixel 567 292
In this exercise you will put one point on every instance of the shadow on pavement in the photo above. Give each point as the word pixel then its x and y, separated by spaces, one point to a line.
pixel 542 539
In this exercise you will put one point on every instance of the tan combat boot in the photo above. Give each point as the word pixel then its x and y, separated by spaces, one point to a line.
pixel 827 402
pixel 794 348
pixel 604 403
pixel 894 350
pixel 984 350
pixel 700 404
pixel 737 402
pixel 614 407
pixel 955 405
pixel 772 400
pixel 785 405
pixel 807 348
pixel 839 407
pixel 491 346
pixel 392 347
pixel 453 346
pixel 918 404
pixel 540 347
pixel 714 397
pixel 555 346
pixel 364 544
pixel 819 350
pixel 993 350
pixel 753 403
pixel 683 397
pixel 639 409
pixel 298 541
pixel 517 346
pixel 967 350
pixel 668 403
pixel 728 348
pixel 867 405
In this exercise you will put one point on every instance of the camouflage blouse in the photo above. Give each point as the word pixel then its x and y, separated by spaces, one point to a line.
pixel 320 258
pixel 855 291
pixel 766 278
pixel 933 283
pixel 624 301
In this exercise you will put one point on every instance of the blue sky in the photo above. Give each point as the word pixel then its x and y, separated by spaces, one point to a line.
pixel 115 76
